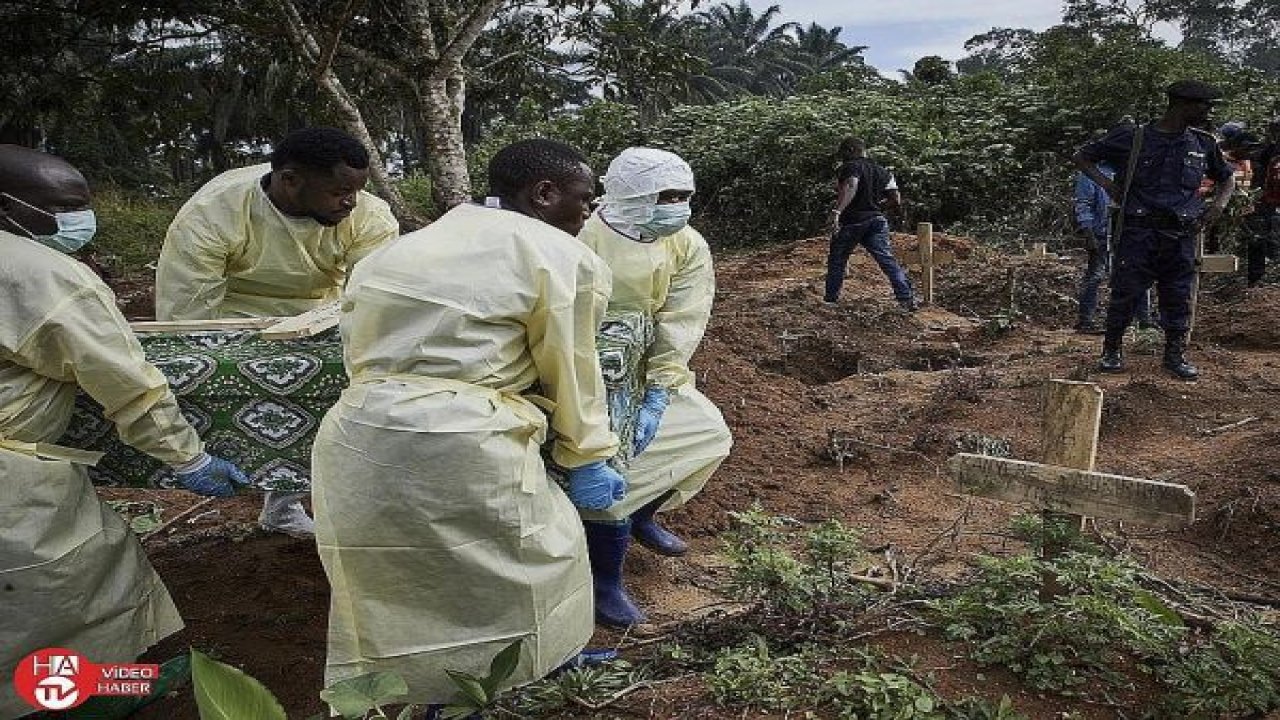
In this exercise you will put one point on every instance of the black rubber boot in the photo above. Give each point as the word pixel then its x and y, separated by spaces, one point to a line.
pixel 607 548
pixel 1175 357
pixel 1112 359
pixel 650 534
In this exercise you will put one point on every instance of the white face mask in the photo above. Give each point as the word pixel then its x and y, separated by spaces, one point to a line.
pixel 75 228
pixel 667 219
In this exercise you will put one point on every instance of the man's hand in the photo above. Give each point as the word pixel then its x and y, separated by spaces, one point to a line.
pixel 833 221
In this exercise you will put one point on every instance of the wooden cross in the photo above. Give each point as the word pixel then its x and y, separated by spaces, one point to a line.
pixel 1207 265
pixel 927 259
pixel 1065 486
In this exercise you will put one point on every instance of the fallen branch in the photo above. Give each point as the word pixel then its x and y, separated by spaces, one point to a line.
pixel 624 692
pixel 176 518
pixel 885 583
pixel 1230 426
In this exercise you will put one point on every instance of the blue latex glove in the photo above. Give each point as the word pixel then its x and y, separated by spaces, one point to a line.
pixel 649 417
pixel 596 486
pixel 209 475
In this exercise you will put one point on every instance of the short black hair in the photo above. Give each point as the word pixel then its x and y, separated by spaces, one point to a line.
pixel 525 162
pixel 1192 91
pixel 320 149
pixel 852 147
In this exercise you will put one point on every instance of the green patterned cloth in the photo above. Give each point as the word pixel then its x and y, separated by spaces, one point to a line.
pixel 259 402
pixel 255 402
pixel 622 344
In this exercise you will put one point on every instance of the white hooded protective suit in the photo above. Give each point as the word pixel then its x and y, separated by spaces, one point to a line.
pixel 231 253
pixel 71 572
pixel 443 538
pixel 671 279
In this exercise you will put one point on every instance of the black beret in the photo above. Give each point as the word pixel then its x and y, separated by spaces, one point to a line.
pixel 1193 90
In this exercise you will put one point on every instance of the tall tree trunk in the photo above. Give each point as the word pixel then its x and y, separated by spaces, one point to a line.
pixel 441 108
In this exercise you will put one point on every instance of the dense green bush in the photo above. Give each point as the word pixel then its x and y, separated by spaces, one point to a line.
pixel 765 166
pixel 131 227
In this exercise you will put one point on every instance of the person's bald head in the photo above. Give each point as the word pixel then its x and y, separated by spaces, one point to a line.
pixel 30 179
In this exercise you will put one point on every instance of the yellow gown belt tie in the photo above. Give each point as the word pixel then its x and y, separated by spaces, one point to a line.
pixel 49 451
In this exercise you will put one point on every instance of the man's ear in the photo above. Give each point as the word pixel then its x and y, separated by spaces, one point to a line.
pixel 544 194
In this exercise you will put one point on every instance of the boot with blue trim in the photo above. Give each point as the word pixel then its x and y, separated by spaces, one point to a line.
pixel 607 546
pixel 649 533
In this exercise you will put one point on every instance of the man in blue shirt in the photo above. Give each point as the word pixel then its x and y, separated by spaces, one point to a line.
pixel 1161 214
pixel 1093 225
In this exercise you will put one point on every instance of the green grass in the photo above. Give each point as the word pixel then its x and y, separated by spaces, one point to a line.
pixel 131 228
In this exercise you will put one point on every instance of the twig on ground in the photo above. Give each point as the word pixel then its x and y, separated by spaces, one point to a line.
pixel 890 448
pixel 623 693
pixel 1230 426
pixel 168 523
pixel 953 530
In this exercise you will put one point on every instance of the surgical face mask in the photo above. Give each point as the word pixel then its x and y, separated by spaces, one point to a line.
pixel 667 219
pixel 75 228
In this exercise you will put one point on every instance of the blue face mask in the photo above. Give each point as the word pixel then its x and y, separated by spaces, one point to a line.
pixel 75 228
pixel 668 219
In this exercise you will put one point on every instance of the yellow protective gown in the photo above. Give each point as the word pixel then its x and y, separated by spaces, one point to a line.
pixel 443 538
pixel 71 572
pixel 673 280
pixel 230 253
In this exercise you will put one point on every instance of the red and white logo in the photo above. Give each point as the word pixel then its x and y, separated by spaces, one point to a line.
pixel 60 679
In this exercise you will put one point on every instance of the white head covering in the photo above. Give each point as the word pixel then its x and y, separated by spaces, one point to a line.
pixel 632 184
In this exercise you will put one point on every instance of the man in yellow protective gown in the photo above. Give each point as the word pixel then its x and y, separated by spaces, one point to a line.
pixel 662 267
pixel 442 534
pixel 72 574
pixel 274 240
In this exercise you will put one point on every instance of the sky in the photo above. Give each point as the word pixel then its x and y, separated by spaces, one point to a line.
pixel 899 32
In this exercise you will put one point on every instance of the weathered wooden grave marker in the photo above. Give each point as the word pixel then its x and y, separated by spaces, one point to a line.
pixel 1207 265
pixel 927 259
pixel 1064 486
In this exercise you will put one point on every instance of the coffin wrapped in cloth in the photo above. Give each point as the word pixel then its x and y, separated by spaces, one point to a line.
pixel 258 401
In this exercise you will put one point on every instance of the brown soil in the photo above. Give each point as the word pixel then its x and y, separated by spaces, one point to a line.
pixel 788 371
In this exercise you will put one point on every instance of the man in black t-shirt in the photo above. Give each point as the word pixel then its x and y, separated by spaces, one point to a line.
pixel 865 190
pixel 1161 213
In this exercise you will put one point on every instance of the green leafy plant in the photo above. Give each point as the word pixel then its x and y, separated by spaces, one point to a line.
pixel 478 693
pixel 974 708
pixel 870 695
pixel 589 686
pixel 143 516
pixel 765 570
pixel 1102 617
pixel 1233 672
pixel 755 676
pixel 226 693
pixel 368 695
pixel 358 696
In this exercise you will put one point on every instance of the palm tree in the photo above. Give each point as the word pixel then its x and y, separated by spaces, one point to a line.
pixel 642 54
pixel 747 47
pixel 820 48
